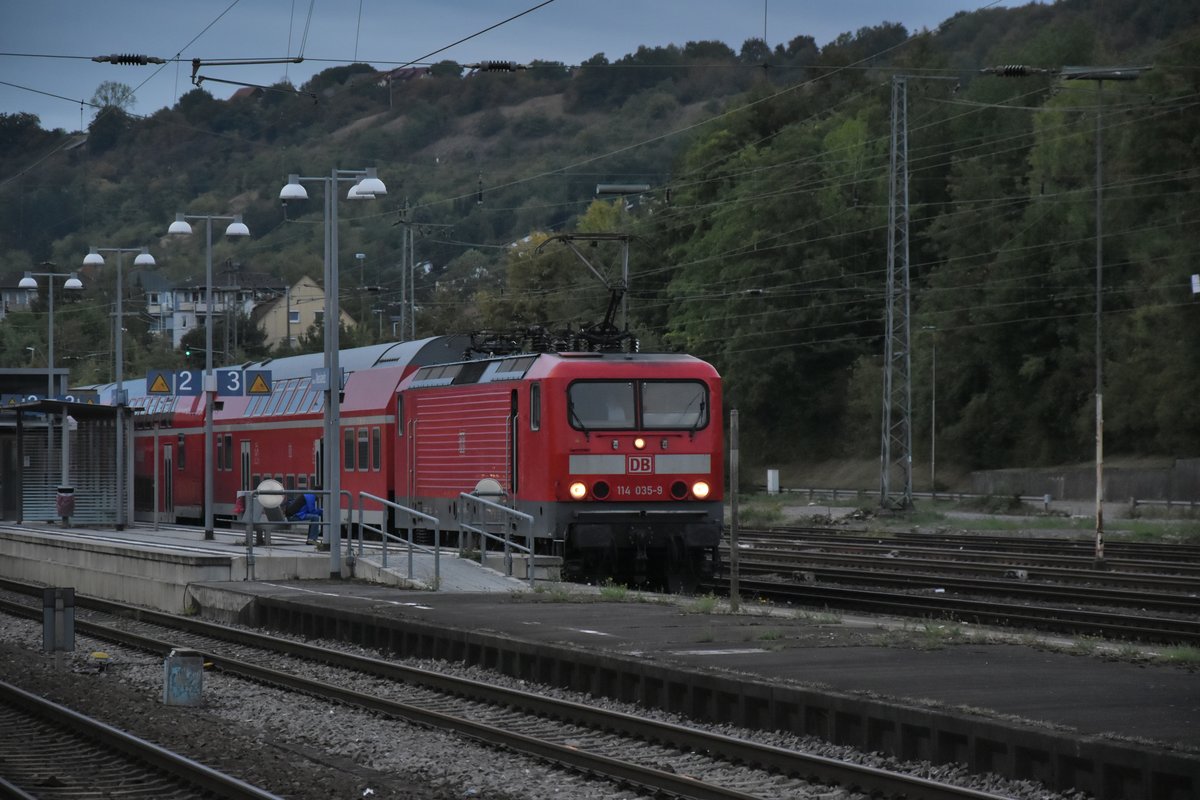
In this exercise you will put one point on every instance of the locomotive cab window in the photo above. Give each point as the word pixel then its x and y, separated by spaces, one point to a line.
pixel 601 405
pixel 674 404
pixel 637 405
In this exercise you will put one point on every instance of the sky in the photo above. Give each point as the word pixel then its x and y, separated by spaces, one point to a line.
pixel 46 46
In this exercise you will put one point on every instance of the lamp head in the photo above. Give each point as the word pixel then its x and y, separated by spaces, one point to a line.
pixel 371 185
pixel 293 190
pixel 144 259
pixel 28 282
pixel 180 227
pixel 237 227
pixel 93 258
pixel 73 282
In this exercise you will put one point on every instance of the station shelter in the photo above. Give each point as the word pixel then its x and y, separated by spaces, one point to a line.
pixel 32 449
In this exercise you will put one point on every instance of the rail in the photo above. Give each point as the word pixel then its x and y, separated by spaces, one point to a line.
pixel 385 535
pixel 509 545
pixel 864 496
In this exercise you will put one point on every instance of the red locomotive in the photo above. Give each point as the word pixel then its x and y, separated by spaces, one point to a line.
pixel 617 457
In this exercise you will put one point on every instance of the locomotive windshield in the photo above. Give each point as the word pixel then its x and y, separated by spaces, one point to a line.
pixel 636 405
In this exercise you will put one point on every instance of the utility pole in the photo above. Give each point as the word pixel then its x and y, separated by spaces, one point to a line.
pixel 1099 75
pixel 896 455
pixel 895 460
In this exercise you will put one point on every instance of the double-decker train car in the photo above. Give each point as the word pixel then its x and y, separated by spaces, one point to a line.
pixel 276 435
pixel 617 457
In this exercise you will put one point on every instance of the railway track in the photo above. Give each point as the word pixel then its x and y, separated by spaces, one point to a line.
pixel 657 758
pixel 48 751
pixel 1166 558
pixel 887 575
pixel 1150 593
pixel 1138 627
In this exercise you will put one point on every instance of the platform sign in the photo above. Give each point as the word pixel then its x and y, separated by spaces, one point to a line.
pixel 89 398
pixel 258 381
pixel 320 378
pixel 160 382
pixel 229 383
pixel 19 399
pixel 189 382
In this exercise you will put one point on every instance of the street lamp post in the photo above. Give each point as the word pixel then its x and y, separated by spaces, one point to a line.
pixel 932 410
pixel 236 228
pixel 365 186
pixel 1099 75
pixel 71 282
pixel 143 259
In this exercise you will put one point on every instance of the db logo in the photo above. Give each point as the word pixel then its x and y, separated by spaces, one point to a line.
pixel 641 464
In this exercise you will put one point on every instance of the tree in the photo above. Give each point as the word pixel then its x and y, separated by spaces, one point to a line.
pixel 112 94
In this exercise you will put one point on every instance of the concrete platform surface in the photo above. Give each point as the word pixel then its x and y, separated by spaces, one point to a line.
pixel 1087 693
pixel 998 675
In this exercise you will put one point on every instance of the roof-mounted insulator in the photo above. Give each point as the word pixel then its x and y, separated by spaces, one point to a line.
pixel 129 58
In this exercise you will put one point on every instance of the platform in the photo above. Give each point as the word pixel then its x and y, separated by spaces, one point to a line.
pixel 155 567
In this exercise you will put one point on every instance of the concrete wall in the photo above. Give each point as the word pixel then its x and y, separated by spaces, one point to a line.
pixel 1179 481
pixel 146 577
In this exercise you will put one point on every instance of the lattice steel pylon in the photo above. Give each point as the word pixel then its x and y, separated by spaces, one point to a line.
pixel 895 478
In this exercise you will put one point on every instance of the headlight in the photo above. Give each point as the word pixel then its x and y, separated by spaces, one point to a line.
pixel 639 443
pixel 578 490
pixel 700 490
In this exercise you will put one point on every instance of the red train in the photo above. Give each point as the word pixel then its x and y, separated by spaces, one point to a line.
pixel 617 457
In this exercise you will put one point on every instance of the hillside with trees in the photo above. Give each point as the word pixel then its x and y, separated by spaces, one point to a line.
pixel 761 243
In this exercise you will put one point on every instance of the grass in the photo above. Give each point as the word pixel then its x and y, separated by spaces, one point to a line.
pixel 1184 655
pixel 705 604
pixel 614 592
pixel 819 617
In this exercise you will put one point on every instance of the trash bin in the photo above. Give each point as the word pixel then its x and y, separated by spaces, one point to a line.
pixel 64 501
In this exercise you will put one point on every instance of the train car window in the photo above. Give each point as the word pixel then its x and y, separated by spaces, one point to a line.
pixel 289 391
pixel 348 449
pixel 318 402
pixel 470 373
pixel 376 457
pixel 257 405
pixel 298 397
pixel 601 405
pixel 229 451
pixel 400 415
pixel 674 404
pixel 276 399
pixel 289 482
pixel 220 452
pixel 535 407
pixel 301 481
pixel 180 461
pixel 364 449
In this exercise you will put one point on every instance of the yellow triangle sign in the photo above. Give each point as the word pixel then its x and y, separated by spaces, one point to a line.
pixel 259 386
pixel 159 385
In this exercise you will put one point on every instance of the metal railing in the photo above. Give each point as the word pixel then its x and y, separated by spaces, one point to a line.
pixel 255 509
pixel 385 536
pixel 509 545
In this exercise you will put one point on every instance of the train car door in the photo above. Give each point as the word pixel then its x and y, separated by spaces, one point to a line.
pixel 319 464
pixel 244 478
pixel 168 482
pixel 514 417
